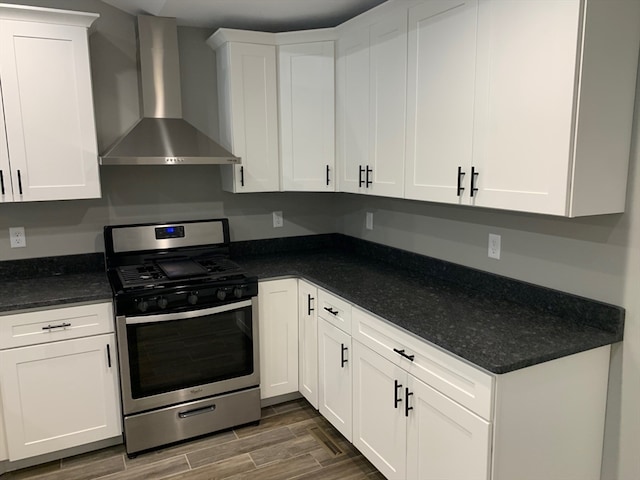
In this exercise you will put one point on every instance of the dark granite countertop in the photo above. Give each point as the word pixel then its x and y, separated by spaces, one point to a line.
pixel 52 281
pixel 469 317
pixel 493 322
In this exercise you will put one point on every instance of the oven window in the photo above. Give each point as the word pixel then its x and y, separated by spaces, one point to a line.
pixel 167 356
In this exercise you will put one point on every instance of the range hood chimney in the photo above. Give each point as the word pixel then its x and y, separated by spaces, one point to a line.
pixel 162 136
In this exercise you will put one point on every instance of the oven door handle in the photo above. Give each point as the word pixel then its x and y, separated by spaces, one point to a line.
pixel 167 317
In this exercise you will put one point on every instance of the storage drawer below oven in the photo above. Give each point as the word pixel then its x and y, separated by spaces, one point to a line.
pixel 171 424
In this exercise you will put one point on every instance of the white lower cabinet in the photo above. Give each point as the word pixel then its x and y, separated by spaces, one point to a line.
pixel 445 441
pixel 278 333
pixel 379 425
pixel 308 342
pixel 335 377
pixel 59 394
pixel 419 413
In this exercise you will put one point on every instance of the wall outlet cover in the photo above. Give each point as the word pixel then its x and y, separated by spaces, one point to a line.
pixel 17 237
pixel 278 220
pixel 494 246
pixel 369 221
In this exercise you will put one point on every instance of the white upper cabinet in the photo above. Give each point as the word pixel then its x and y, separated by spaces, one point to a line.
pixel 248 113
pixel 352 105
pixel 554 102
pixel 440 96
pixel 50 149
pixel 371 83
pixel 307 116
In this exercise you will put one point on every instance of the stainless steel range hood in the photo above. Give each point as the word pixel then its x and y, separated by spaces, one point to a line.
pixel 162 136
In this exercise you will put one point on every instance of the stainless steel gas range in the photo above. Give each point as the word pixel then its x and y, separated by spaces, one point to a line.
pixel 187 331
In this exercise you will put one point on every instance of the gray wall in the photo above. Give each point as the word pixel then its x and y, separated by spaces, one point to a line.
pixel 597 257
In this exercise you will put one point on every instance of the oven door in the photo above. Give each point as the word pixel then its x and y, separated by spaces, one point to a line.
pixel 170 358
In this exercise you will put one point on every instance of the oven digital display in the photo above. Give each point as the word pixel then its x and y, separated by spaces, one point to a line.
pixel 169 232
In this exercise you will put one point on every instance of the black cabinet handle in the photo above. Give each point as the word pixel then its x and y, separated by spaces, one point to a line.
pixel 406 403
pixel 368 182
pixel 108 355
pixel 309 299
pixel 19 182
pixel 401 352
pixel 327 174
pixel 331 311
pixel 360 172
pixel 343 360
pixel 396 400
pixel 2 182
pixel 474 176
pixel 51 327
pixel 460 188
pixel 242 176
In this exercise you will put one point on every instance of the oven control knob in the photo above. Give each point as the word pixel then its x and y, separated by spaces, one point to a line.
pixel 221 294
pixel 162 302
pixel 237 292
pixel 192 298
pixel 143 305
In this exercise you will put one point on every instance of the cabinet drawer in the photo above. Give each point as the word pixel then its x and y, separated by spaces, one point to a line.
pixel 55 324
pixel 334 310
pixel 456 379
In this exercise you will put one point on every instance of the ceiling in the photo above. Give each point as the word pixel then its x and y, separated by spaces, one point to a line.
pixel 262 15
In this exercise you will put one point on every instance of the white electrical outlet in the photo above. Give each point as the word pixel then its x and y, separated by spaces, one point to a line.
pixel 278 221
pixel 369 221
pixel 17 237
pixel 494 246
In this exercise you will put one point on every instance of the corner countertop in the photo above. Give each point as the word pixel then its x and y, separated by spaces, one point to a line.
pixel 492 322
pixel 488 331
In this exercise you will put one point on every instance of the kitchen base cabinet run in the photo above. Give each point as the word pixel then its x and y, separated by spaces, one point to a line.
pixel 419 413
pixel 59 393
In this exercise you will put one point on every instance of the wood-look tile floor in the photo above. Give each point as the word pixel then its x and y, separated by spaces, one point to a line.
pixel 292 441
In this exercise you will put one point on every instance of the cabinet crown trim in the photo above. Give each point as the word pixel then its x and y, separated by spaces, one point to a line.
pixel 28 13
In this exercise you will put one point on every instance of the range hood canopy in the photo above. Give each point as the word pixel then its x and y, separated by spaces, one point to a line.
pixel 162 136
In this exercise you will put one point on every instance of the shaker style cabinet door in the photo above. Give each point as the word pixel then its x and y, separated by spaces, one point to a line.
pixel 48 106
pixel 352 109
pixel 526 85
pixel 379 424
pixel 307 116
pixel 371 101
pixel 248 94
pixel 308 342
pixel 60 395
pixel 335 377
pixel 445 441
pixel 278 333
pixel 440 96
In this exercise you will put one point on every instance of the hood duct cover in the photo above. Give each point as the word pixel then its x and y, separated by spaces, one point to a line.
pixel 162 136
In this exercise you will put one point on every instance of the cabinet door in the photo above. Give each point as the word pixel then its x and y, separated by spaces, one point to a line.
pixel 6 192
pixel 445 441
pixel 526 79
pixel 335 377
pixel 307 116
pixel 59 395
pixel 379 424
pixel 442 51
pixel 352 103
pixel 308 342
pixel 251 115
pixel 278 333
pixel 48 105
pixel 387 110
